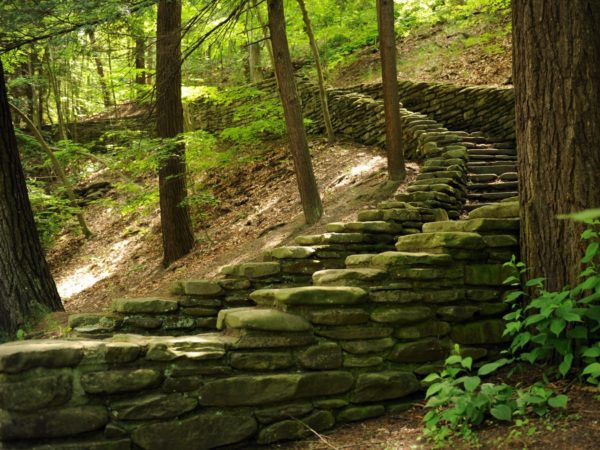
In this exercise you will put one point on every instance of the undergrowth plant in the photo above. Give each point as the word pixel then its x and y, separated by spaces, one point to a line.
pixel 559 330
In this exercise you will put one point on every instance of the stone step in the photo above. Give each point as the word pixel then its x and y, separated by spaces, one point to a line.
pixel 483 178
pixel 347 277
pixel 376 227
pixel 344 238
pixel 474 139
pixel 493 151
pixel 252 270
pixel 493 196
pixel 483 225
pixel 497 169
pixel 497 158
pixel 499 210
pixel 492 187
pixel 310 295
pixel 509 176
pixel 471 206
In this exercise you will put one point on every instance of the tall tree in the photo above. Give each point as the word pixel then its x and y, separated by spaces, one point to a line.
pixel 309 192
pixel 320 78
pixel 177 233
pixel 26 285
pixel 99 67
pixel 389 75
pixel 556 73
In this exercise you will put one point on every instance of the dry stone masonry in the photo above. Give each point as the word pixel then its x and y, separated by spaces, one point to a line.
pixel 339 327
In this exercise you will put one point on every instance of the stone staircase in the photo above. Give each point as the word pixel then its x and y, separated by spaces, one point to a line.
pixel 492 171
pixel 340 327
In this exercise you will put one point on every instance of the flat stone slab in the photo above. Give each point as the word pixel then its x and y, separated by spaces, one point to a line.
pixel 261 319
pixel 252 269
pixel 149 305
pixel 474 225
pixel 347 277
pixel 376 226
pixel 498 211
pixel 203 288
pixel 19 356
pixel 393 259
pixel 441 239
pixel 310 295
pixel 293 252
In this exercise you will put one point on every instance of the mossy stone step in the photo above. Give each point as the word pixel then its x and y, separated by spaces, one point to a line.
pixel 252 270
pixel 377 226
pixel 499 211
pixel 492 151
pixel 262 320
pixel 394 259
pixel 501 186
pixel 483 178
pixel 442 239
pixel 357 261
pixel 490 168
pixel 293 252
pixel 493 196
pixel 310 295
pixel 146 305
pixel 343 238
pixel 347 277
pixel 473 225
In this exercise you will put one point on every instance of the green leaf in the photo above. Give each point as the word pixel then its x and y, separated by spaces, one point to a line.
pixel 557 326
pixel 565 365
pixel 431 377
pixel 592 369
pixel 560 401
pixel 502 412
pixel 471 383
pixel 591 252
pixel 535 282
pixel 488 368
pixel 592 352
pixel 434 389
pixel 454 359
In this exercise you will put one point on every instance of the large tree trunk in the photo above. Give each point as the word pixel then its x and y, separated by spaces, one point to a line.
pixel 320 78
pixel 389 75
pixel 309 193
pixel 556 73
pixel 99 69
pixel 26 285
pixel 178 237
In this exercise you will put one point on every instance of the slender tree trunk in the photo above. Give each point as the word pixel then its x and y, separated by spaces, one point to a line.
pixel 265 27
pixel 178 236
pixel 393 130
pixel 35 88
pixel 55 86
pixel 140 60
pixel 556 72
pixel 57 168
pixel 309 193
pixel 99 69
pixel 110 72
pixel 150 53
pixel 320 78
pixel 26 285
pixel 254 60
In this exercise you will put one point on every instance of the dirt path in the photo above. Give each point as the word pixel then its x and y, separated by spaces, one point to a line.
pixel 258 209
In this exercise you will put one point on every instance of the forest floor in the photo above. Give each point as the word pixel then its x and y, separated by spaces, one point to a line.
pixel 480 54
pixel 258 208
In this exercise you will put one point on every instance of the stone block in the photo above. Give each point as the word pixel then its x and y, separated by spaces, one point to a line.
pixel 261 360
pixel 341 316
pixel 355 361
pixel 275 413
pixel 356 413
pixel 118 381
pixel 202 288
pixel 323 356
pixel 432 328
pixel 361 347
pixel 253 270
pixel 395 259
pixel 262 320
pixel 19 356
pixel 481 332
pixel 457 313
pixel 347 277
pixel 149 305
pixel 293 252
pixel 153 406
pixel 36 393
pixel 497 211
pixel 249 390
pixel 401 315
pixel 423 350
pixel 200 432
pixel 296 429
pixel 310 295
pixel 374 387
pixel 319 384
pixel 354 332
pixel 440 240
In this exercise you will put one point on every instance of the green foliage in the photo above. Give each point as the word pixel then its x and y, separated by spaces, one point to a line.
pixel 458 400
pixel 53 213
pixel 561 327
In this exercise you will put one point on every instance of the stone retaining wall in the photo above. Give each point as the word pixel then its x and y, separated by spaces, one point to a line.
pixel 357 111
pixel 351 347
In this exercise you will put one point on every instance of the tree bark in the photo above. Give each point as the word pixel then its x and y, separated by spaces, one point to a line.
pixel 140 60
pixel 26 285
pixel 320 78
pixel 309 193
pixel 99 69
pixel 178 236
pixel 556 73
pixel 55 87
pixel 393 131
